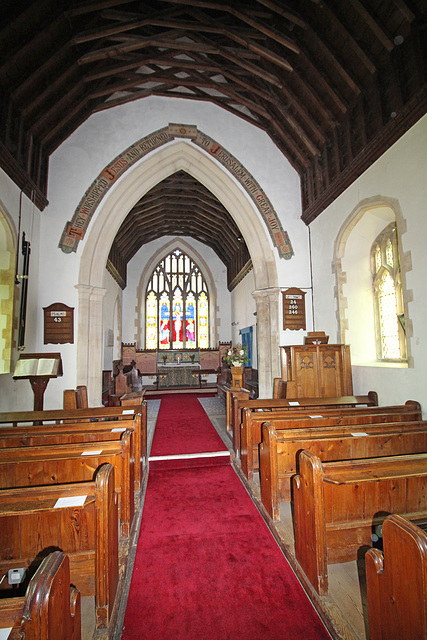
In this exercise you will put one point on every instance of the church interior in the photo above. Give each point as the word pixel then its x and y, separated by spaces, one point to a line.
pixel 213 211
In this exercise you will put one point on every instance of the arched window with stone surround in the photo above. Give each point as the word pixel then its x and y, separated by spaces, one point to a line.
pixel 388 299
pixel 7 284
pixel 177 305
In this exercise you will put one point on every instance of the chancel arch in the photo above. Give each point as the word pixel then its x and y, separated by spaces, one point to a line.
pixel 175 156
pixel 196 257
pixel 355 277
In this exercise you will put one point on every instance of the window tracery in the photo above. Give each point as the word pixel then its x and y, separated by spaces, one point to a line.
pixel 388 299
pixel 177 305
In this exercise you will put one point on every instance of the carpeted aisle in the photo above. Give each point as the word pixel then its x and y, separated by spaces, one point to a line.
pixel 207 567
pixel 183 427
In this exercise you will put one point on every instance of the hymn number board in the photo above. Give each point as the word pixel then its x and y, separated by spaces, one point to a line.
pixel 58 324
pixel 293 309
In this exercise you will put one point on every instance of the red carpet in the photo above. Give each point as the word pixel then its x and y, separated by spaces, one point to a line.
pixel 207 567
pixel 183 427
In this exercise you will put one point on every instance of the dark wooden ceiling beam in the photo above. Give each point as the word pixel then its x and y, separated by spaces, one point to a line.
pixel 139 217
pixel 24 54
pixel 145 42
pixel 30 83
pixel 353 47
pixel 373 25
pixel 196 205
pixel 288 15
pixel 179 217
pixel 92 7
pixel 184 82
pixel 275 35
pixel 43 99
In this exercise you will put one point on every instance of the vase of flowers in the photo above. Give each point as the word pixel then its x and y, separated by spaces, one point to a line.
pixel 236 357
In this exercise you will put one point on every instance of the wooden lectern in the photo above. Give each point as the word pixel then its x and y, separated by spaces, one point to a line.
pixel 38 368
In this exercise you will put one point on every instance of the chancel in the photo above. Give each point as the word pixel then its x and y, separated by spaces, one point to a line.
pixel 193 180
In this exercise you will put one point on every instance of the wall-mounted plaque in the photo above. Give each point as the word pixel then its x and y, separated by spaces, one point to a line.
pixel 293 309
pixel 58 324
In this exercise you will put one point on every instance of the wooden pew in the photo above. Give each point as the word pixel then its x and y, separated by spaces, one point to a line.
pixel 240 400
pixel 15 418
pixel 69 463
pixel 337 504
pixel 50 609
pixel 279 451
pixel 49 434
pixel 286 418
pixel 396 582
pixel 76 398
pixel 30 523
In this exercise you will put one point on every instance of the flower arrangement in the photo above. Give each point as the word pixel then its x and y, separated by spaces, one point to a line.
pixel 236 356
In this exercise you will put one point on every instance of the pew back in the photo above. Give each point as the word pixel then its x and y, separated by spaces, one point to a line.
pixel 50 434
pixel 251 434
pixel 336 505
pixel 36 466
pixel 279 451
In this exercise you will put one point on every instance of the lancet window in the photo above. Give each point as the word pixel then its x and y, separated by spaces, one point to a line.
pixel 388 300
pixel 177 305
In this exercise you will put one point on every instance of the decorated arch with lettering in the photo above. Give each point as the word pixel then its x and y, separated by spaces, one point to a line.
pixel 75 229
pixel 139 179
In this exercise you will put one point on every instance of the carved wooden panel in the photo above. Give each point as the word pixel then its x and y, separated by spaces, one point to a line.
pixel 317 370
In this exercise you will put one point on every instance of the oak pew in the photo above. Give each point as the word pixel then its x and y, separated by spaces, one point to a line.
pixel 303 417
pixel 240 401
pixel 279 451
pixel 50 609
pixel 69 463
pixel 396 582
pixel 50 434
pixel 15 418
pixel 32 520
pixel 337 505
pixel 75 398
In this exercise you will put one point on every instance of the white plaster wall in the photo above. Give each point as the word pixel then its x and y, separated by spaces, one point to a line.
pixel 112 296
pixel 23 217
pixel 243 309
pixel 400 174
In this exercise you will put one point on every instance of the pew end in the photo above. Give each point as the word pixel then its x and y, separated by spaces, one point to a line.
pixel 396 582
pixel 50 609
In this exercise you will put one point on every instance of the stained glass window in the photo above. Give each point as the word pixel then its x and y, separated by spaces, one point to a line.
pixel 177 305
pixel 390 325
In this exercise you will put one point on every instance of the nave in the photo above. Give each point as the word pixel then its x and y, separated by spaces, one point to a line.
pixel 206 565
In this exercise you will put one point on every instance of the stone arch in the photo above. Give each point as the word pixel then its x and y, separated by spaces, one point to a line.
pixel 351 266
pixel 138 180
pixel 170 245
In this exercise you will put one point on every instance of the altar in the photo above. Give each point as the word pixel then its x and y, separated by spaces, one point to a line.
pixel 178 375
pixel 178 368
